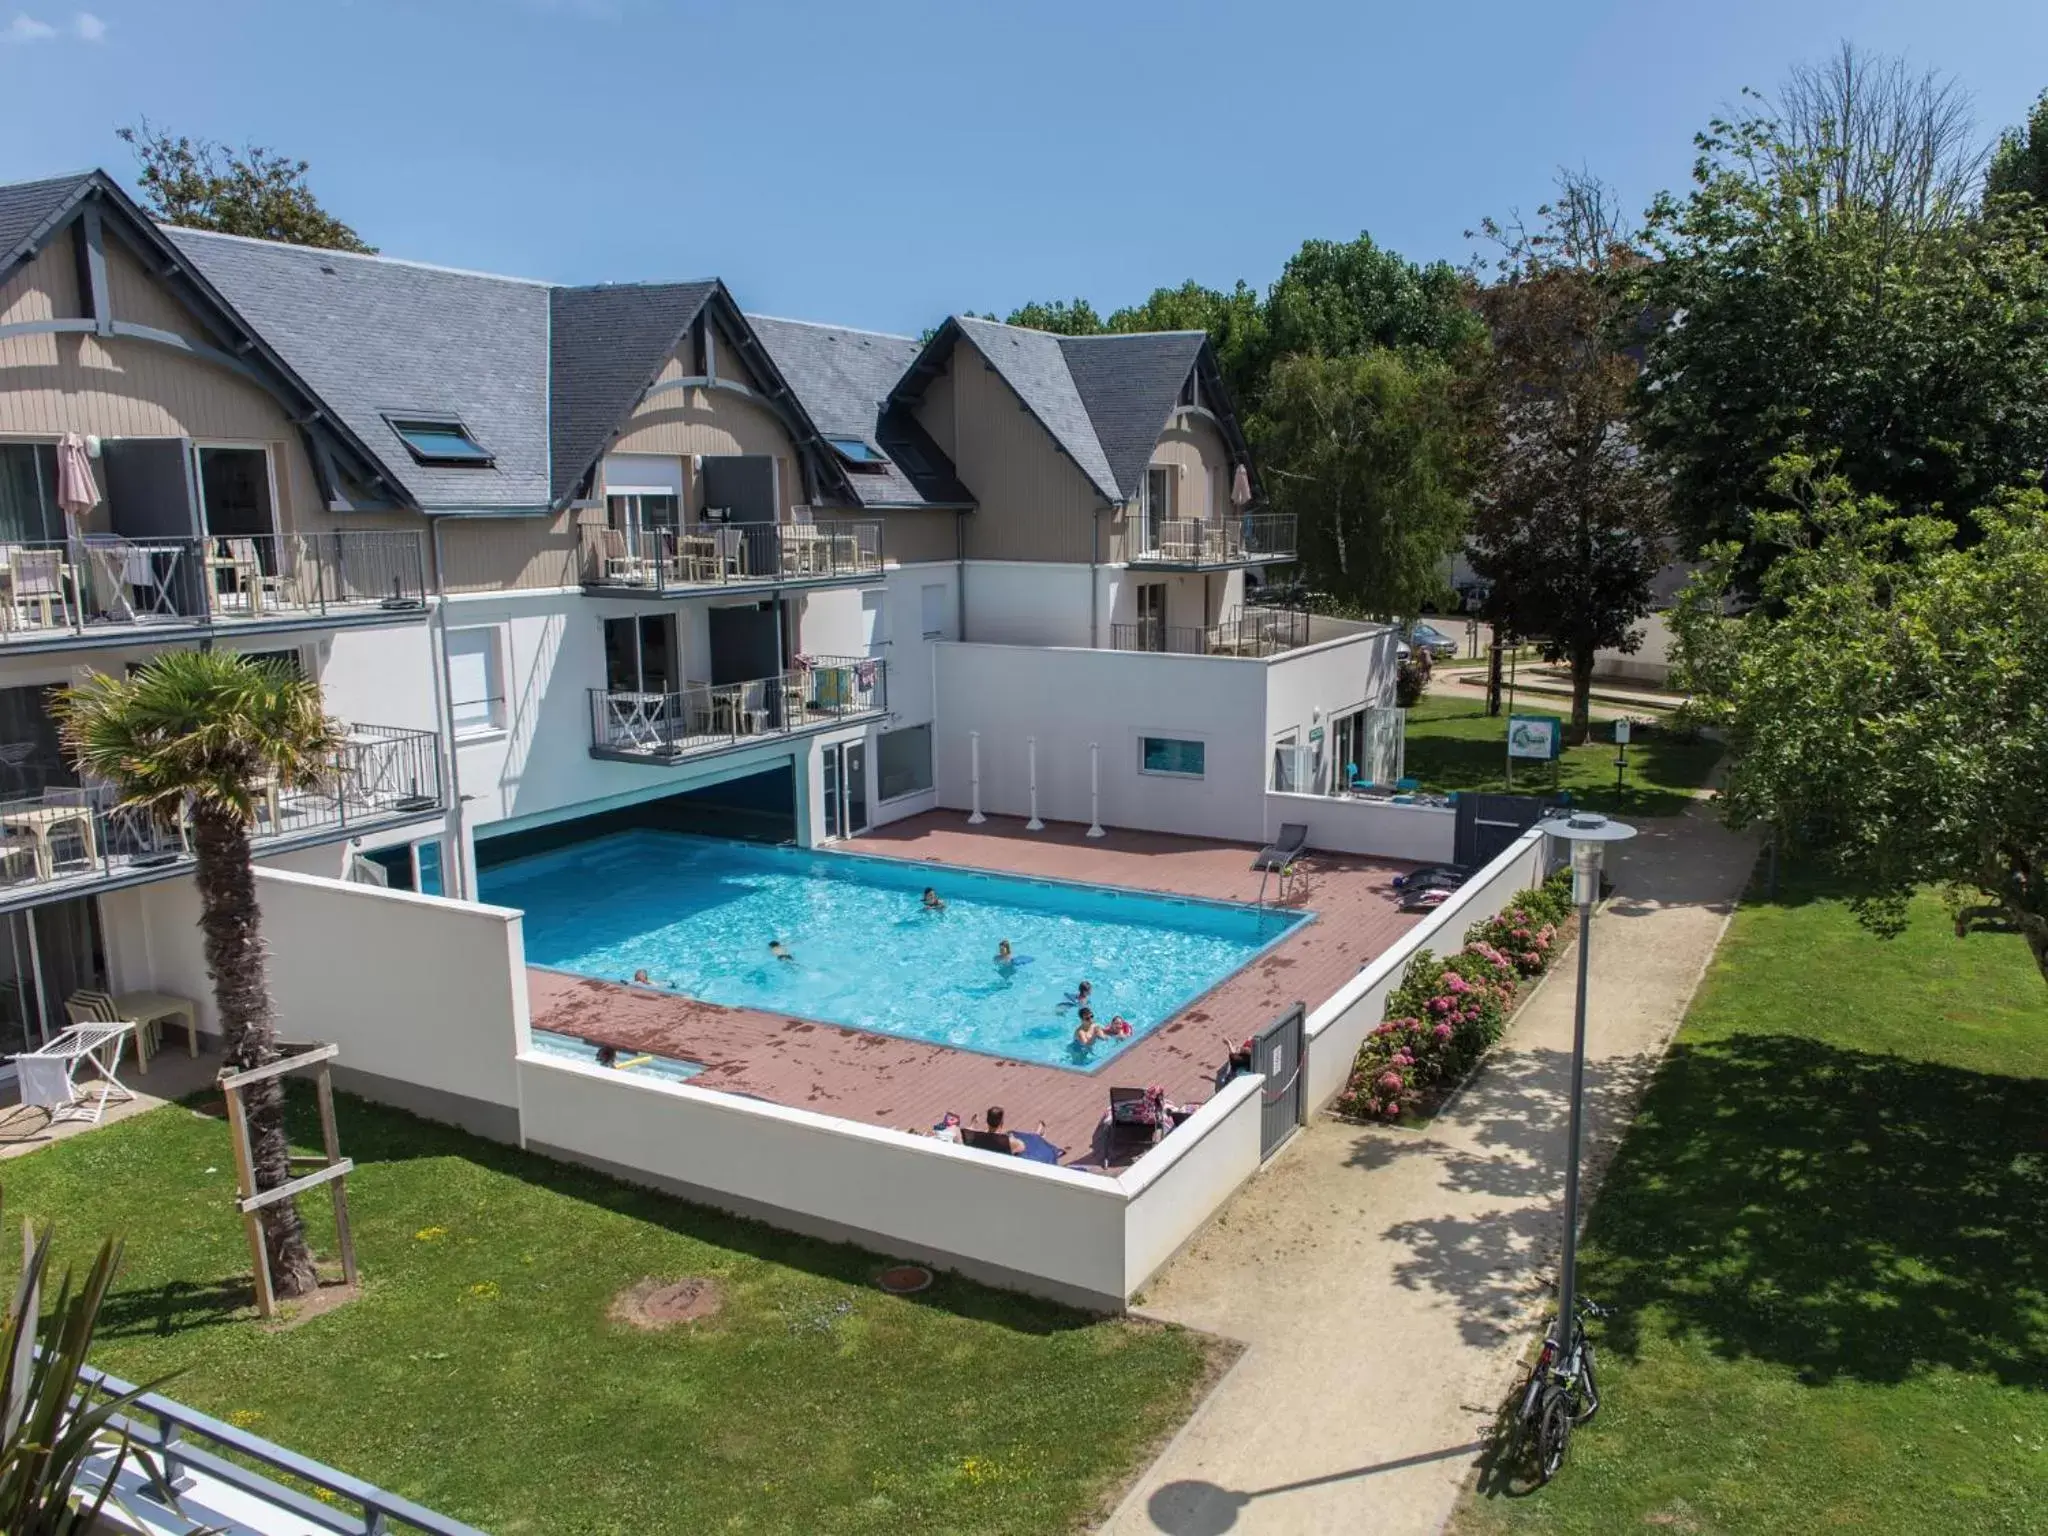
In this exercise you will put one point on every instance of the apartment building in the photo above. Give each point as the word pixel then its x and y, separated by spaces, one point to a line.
pixel 577 558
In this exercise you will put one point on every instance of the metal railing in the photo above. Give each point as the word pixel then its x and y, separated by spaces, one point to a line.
pixel 70 837
pixel 1247 632
pixel 1236 540
pixel 101 583
pixel 731 554
pixel 711 717
pixel 191 1448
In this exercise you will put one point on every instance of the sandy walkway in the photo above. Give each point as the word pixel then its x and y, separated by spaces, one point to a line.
pixel 1385 1281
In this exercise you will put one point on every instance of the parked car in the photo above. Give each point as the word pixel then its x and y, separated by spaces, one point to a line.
pixel 1434 640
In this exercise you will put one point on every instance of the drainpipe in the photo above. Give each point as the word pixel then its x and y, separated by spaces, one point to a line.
pixel 960 574
pixel 1094 579
pixel 444 725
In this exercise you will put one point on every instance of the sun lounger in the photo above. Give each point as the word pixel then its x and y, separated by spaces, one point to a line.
pixel 1278 856
pixel 988 1141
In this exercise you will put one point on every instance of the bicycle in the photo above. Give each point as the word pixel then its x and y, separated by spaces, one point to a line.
pixel 1557 1398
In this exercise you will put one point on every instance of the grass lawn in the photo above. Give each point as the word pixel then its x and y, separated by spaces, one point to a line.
pixel 1824 1241
pixel 1454 744
pixel 480 1374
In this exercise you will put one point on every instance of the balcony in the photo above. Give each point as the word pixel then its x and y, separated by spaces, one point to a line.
pixel 712 557
pixel 70 841
pixel 706 719
pixel 103 590
pixel 1248 632
pixel 1190 544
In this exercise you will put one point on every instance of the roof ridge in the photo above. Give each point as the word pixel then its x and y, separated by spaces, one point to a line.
pixel 639 282
pixel 1121 335
pixel 325 251
pixel 827 325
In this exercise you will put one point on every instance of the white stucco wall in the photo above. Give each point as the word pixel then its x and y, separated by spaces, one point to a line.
pixel 1176 1187
pixel 1313 686
pixel 1020 602
pixel 1069 698
pixel 1426 834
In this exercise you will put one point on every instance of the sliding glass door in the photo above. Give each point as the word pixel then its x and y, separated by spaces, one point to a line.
pixel 46 954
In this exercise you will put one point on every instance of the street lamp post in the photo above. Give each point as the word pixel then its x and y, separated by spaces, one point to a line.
pixel 1586 831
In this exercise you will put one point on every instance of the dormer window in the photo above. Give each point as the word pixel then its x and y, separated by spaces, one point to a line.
pixel 442 441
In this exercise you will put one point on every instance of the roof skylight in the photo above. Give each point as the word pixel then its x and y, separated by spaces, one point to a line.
pixel 441 440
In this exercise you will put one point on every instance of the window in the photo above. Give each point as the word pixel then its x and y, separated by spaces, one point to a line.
pixel 904 762
pixel 858 451
pixel 1159 479
pixel 644 518
pixel 476 693
pixel 409 867
pixel 639 654
pixel 1168 754
pixel 931 606
pixel 28 494
pixel 234 488
pixel 441 440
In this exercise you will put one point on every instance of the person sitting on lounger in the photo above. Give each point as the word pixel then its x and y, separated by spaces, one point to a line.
pixel 995 1128
pixel 775 948
pixel 932 902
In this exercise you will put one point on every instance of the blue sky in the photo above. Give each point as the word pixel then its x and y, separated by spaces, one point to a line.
pixel 883 164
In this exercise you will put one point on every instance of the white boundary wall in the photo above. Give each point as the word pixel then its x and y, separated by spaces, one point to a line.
pixel 1340 1025
pixel 1427 834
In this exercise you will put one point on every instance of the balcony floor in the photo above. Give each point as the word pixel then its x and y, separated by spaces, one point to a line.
pixel 887 1080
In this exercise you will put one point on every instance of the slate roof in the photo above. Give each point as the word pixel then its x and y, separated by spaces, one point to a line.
pixel 608 342
pixel 1034 364
pixel 27 206
pixel 843 379
pixel 1129 385
pixel 371 335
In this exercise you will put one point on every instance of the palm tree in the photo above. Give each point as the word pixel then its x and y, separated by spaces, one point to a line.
pixel 193 734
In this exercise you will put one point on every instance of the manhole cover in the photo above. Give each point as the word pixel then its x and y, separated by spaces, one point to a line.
pixel 663 1303
pixel 904 1279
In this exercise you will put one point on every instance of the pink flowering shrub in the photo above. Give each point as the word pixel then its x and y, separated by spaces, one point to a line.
pixel 1448 1012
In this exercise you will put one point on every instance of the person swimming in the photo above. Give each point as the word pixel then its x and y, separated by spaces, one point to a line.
pixel 1004 959
pixel 640 979
pixel 1078 998
pixel 932 902
pixel 1118 1028
pixel 775 948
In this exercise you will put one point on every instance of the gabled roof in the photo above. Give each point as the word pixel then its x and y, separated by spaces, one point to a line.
pixel 29 208
pixel 609 344
pixel 1129 386
pixel 376 336
pixel 844 377
pixel 1103 399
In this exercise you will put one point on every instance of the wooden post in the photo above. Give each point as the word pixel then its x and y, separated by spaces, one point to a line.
pixel 245 1185
pixel 330 1139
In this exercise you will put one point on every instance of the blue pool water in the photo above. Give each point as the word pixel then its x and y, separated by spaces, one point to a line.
pixel 698 914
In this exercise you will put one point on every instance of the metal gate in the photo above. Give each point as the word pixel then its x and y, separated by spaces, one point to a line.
pixel 1488 823
pixel 1277 1053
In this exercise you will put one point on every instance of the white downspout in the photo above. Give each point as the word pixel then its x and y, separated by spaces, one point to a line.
pixel 444 725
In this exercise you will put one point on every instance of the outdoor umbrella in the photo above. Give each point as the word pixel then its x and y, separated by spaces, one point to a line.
pixel 77 494
pixel 1241 489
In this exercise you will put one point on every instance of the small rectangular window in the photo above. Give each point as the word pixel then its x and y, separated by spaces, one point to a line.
pixel 476 691
pixel 904 761
pixel 857 450
pixel 440 440
pixel 1171 755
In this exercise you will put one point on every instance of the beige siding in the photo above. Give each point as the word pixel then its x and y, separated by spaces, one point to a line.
pixel 509 554
pixel 120 387
pixel 1034 502
pixel 686 422
pixel 1194 446
pixel 935 413
pixel 910 537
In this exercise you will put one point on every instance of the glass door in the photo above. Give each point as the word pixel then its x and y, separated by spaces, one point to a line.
pixel 846 789
pixel 833 820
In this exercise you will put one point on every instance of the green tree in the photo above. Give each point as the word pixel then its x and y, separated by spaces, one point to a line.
pixel 1886 705
pixel 1569 524
pixel 1235 321
pixel 1062 317
pixel 193 734
pixel 1372 454
pixel 2020 162
pixel 1343 298
pixel 1806 306
pixel 253 191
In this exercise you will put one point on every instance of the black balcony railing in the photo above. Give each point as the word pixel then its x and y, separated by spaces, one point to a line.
pixel 68 837
pixel 104 586
pixel 716 717
pixel 731 554
pixel 1250 632
pixel 1244 539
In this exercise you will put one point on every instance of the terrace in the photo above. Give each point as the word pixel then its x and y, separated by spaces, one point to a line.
pixel 1243 632
pixel 703 719
pixel 104 589
pixel 640 560
pixel 68 840
pixel 1196 544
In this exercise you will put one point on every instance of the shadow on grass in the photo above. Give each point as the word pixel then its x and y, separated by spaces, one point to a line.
pixel 1848 1215
pixel 374 1134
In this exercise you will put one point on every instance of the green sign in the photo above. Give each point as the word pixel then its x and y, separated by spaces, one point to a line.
pixel 1536 736
pixel 1315 735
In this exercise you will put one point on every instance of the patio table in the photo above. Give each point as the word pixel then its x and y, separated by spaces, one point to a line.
pixel 93 1045
pixel 39 821
pixel 148 1010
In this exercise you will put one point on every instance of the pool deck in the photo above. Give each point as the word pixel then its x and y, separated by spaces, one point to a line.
pixel 909 1084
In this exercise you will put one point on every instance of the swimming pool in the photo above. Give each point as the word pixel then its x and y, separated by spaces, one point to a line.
pixel 698 914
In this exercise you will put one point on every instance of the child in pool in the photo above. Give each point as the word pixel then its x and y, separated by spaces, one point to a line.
pixel 1078 998
pixel 775 948
pixel 932 902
